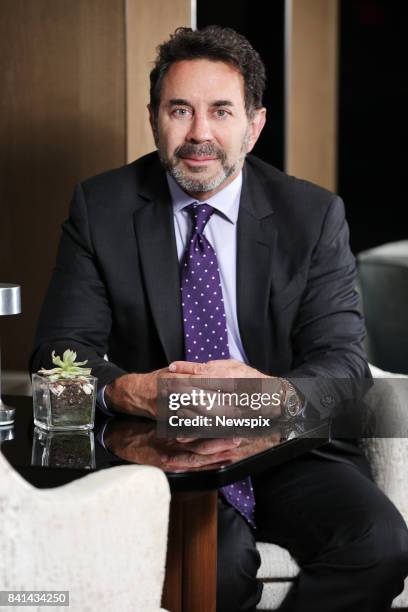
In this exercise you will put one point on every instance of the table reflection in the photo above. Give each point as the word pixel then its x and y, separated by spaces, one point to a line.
pixel 136 441
pixel 63 449
pixel 6 433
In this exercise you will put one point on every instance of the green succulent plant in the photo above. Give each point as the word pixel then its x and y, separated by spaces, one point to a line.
pixel 67 367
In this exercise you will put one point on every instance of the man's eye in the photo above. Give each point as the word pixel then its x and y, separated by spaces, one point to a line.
pixel 221 112
pixel 181 112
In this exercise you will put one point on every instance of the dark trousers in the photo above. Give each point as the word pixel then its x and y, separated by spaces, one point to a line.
pixel 349 540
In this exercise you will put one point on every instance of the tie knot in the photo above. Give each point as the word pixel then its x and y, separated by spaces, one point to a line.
pixel 200 214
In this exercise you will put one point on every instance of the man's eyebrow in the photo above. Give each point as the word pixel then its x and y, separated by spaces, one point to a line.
pixel 178 101
pixel 222 103
pixel 183 102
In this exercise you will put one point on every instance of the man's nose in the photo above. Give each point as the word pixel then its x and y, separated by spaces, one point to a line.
pixel 200 129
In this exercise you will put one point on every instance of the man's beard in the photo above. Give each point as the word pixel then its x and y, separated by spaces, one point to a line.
pixel 201 185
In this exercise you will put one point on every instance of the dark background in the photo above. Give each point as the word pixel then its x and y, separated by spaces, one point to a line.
pixel 372 102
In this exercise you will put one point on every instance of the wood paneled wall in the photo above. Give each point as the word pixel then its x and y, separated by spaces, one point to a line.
pixel 311 100
pixel 67 111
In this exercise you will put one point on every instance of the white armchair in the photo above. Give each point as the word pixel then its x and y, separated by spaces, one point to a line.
pixel 388 458
pixel 103 538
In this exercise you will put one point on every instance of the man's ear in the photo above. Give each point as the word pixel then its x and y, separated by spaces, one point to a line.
pixel 256 125
pixel 151 116
pixel 152 121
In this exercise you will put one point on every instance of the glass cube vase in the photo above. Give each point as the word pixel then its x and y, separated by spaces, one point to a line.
pixel 65 403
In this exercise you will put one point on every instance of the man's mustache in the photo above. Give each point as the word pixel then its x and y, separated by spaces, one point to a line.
pixel 204 150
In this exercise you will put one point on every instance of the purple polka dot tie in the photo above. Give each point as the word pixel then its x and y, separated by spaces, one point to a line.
pixel 205 326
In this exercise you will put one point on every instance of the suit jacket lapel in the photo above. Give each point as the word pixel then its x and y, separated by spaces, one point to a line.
pixel 154 229
pixel 256 240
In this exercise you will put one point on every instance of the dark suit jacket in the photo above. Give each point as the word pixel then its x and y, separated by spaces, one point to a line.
pixel 116 288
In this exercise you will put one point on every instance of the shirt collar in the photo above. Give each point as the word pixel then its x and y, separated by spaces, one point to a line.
pixel 225 201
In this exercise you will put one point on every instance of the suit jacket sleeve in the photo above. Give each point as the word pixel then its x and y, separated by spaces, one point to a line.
pixel 76 313
pixel 329 328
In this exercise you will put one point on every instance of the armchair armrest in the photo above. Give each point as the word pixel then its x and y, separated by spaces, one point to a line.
pixel 388 455
pixel 102 537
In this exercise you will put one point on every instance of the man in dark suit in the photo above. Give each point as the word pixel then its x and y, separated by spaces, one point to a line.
pixel 284 277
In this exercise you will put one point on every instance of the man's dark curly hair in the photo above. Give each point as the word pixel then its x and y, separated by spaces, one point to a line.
pixel 213 43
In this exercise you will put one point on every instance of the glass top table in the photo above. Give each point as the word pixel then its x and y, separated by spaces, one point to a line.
pixel 124 439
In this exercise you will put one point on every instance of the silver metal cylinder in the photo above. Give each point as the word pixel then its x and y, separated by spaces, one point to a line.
pixel 7 415
pixel 10 304
pixel 10 299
